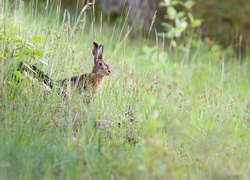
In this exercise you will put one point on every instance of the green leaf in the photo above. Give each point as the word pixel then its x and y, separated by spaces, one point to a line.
pixel 173 3
pixel 191 18
pixel 18 74
pixel 166 25
pixel 197 23
pixel 37 39
pixel 165 3
pixel 173 43
pixel 189 4
pixel 27 51
pixel 18 40
pixel 194 22
pixel 38 53
pixel 1 36
pixel 182 25
pixel 179 21
pixel 171 12
pixel 171 33
pixel 180 14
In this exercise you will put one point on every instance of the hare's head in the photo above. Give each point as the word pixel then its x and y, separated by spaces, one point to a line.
pixel 100 67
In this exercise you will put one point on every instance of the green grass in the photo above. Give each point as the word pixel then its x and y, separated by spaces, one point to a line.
pixel 188 107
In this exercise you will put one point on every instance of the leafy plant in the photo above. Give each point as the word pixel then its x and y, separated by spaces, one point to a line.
pixel 178 21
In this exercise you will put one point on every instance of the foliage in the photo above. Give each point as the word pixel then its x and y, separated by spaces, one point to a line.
pixel 226 21
pixel 179 20
pixel 182 115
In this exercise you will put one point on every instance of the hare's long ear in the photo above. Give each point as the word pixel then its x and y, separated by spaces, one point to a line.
pixel 100 51
pixel 95 50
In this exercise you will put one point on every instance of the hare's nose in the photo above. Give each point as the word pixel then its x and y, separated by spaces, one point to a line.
pixel 109 71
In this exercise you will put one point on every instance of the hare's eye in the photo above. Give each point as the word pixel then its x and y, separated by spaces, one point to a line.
pixel 100 64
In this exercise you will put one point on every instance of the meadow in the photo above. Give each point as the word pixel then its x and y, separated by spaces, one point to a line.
pixel 164 113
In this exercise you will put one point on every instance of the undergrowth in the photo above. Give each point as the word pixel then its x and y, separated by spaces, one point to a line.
pixel 163 113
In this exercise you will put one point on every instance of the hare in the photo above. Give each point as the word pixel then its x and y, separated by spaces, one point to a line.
pixel 91 81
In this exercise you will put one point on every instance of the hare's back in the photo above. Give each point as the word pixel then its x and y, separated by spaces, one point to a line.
pixel 80 82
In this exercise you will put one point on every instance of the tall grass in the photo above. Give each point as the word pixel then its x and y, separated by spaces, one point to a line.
pixel 179 119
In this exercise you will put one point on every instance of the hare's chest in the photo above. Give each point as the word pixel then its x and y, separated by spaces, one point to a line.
pixel 97 84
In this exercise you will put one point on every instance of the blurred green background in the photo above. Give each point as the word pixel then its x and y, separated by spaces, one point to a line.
pixel 227 21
